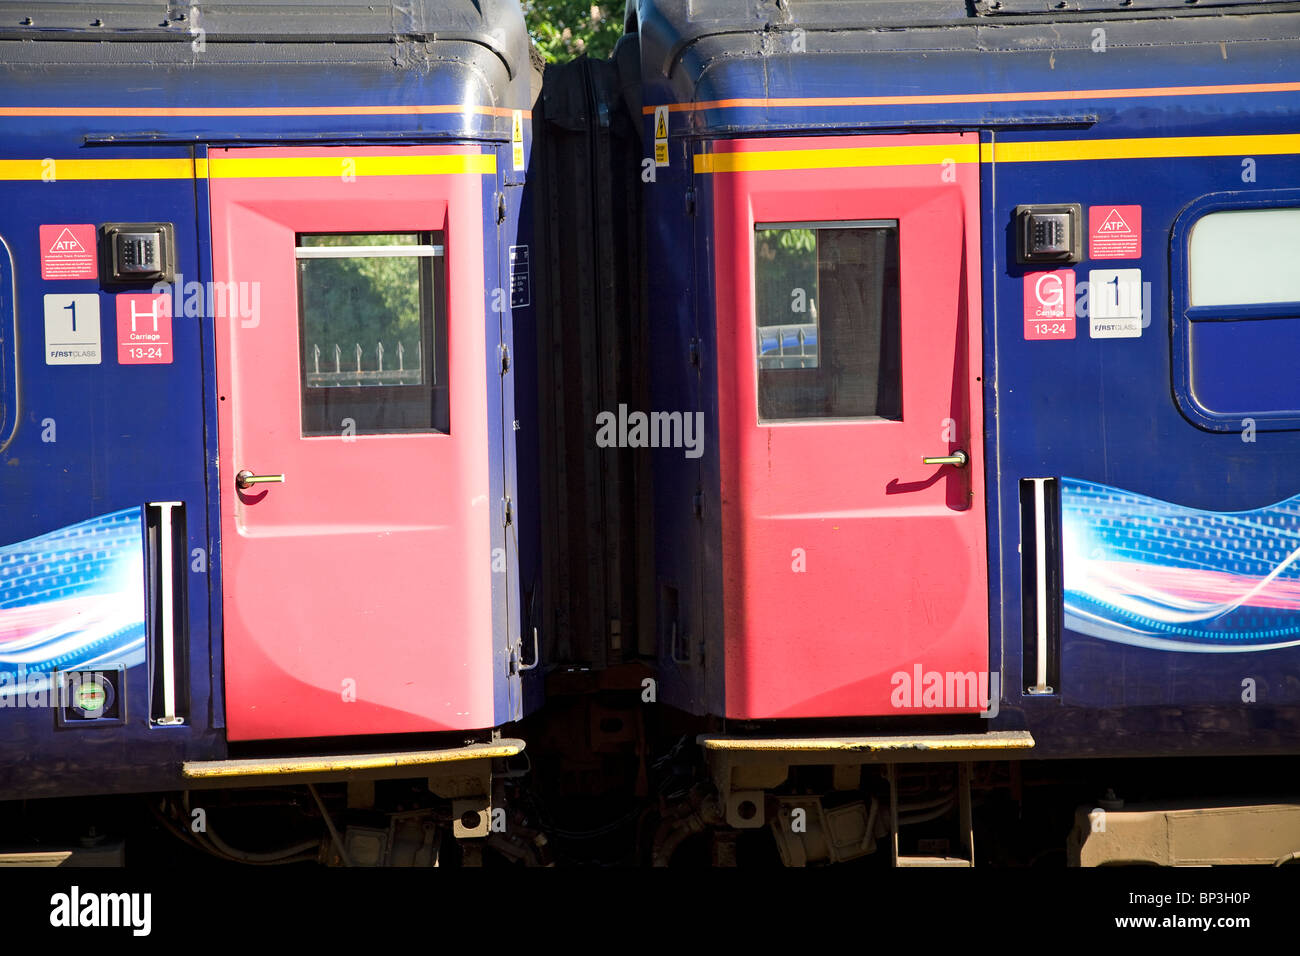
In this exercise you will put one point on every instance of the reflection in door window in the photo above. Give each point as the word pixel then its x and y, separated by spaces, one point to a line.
pixel 827 320
pixel 373 331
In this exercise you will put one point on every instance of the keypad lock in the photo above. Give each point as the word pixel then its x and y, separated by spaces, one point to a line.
pixel 139 252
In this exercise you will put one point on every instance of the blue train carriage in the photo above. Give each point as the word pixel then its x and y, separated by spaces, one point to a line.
pixel 989 311
pixel 263 282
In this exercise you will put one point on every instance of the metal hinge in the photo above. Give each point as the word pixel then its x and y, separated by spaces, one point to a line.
pixel 695 352
pixel 501 208
pixel 690 200
pixel 509 513
pixel 505 359
pixel 679 645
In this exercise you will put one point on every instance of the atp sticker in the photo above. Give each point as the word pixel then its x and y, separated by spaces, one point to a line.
pixel 1114 232
pixel 68 252
pixel 1049 305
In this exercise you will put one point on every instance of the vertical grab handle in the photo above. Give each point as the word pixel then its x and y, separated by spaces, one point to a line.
pixel 167 616
pixel 10 394
pixel 1040 584
pixel 1040 589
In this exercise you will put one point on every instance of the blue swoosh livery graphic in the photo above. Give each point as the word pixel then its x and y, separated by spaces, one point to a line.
pixel 1148 573
pixel 72 598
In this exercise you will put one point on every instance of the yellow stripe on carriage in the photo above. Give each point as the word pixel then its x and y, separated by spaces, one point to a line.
pixel 846 158
pixel 230 167
pixel 1039 151
pixel 1166 147
pixel 331 167
pixel 57 170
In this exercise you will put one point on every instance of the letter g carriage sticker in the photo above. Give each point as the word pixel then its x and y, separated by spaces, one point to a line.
pixel 1049 305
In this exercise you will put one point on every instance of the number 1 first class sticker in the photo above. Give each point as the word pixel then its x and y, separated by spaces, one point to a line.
pixel 72 329
pixel 1115 303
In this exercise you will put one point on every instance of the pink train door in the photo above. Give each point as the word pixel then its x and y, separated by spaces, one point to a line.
pixel 353 439
pixel 850 425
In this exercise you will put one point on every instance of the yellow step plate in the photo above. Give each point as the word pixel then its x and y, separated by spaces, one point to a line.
pixel 911 746
pixel 346 763
pixel 933 861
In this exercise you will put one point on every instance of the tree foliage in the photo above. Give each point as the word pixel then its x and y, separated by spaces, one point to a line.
pixel 785 263
pixel 565 29
pixel 366 302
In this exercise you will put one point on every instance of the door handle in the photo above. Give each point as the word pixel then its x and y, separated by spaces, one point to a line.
pixel 246 478
pixel 957 459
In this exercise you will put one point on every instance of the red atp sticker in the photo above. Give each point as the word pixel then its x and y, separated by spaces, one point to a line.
pixel 68 252
pixel 1114 232
pixel 1049 305
pixel 144 328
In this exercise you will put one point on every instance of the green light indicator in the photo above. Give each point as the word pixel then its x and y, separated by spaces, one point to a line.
pixel 90 697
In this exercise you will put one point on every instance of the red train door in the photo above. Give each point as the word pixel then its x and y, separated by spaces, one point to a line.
pixel 353 439
pixel 848 323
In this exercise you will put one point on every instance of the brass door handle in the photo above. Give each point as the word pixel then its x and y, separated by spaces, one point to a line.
pixel 957 459
pixel 246 479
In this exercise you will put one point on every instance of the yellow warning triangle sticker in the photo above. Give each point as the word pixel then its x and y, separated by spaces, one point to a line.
pixel 661 126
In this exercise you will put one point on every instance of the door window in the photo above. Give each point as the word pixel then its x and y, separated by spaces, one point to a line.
pixel 373 333
pixel 827 317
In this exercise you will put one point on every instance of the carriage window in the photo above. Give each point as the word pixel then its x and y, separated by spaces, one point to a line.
pixel 373 332
pixel 1236 314
pixel 1244 257
pixel 827 320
